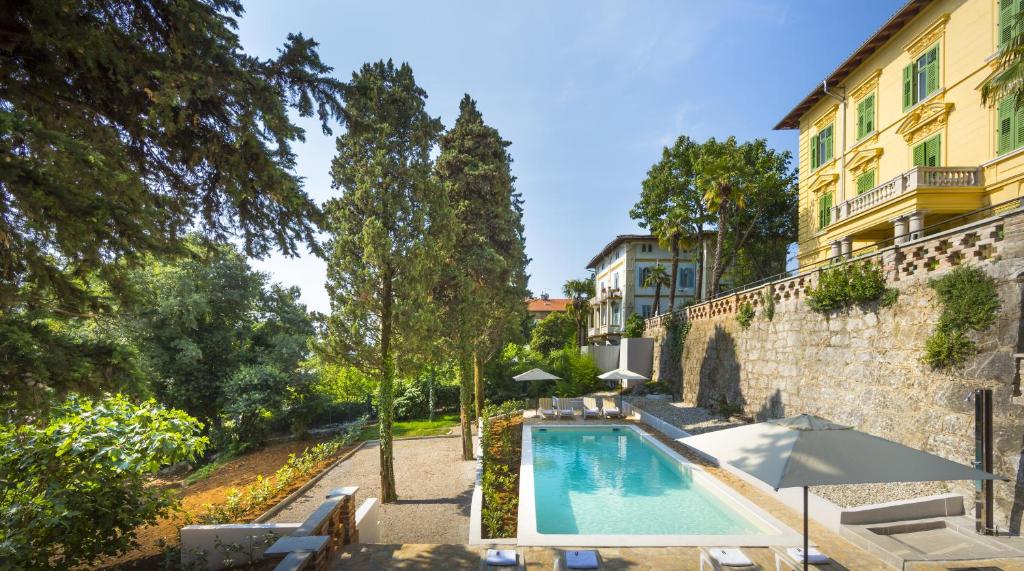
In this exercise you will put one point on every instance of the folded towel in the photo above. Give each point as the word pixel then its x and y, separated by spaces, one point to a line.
pixel 581 559
pixel 814 557
pixel 730 557
pixel 501 557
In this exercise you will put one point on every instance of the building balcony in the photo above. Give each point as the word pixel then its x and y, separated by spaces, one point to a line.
pixel 606 294
pixel 604 330
pixel 938 189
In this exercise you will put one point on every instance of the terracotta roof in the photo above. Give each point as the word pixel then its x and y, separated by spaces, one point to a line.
pixel 550 304
pixel 883 35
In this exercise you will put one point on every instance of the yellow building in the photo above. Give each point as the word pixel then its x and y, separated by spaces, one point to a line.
pixel 897 138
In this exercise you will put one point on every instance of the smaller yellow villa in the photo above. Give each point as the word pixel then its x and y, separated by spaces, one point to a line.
pixel 897 137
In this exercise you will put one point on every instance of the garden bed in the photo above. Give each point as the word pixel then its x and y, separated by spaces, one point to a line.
pixel 502 448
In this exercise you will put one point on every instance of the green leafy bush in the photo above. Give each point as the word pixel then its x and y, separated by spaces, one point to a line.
pixel 578 372
pixel 768 302
pixel 75 486
pixel 502 447
pixel 846 284
pixel 635 326
pixel 970 302
pixel 745 315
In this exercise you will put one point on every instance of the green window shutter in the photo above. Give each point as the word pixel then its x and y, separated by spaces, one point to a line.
pixel 932 71
pixel 919 155
pixel 1018 125
pixel 931 151
pixel 861 117
pixel 866 182
pixel 1007 16
pixel 825 210
pixel 814 152
pixel 869 114
pixel 908 87
pixel 1005 133
pixel 828 145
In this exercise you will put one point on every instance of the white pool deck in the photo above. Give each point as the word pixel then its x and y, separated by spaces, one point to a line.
pixel 774 532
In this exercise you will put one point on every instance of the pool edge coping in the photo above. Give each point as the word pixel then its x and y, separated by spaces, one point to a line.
pixel 527 516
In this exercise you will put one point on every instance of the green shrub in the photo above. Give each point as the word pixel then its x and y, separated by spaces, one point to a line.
pixel 846 284
pixel 745 315
pixel 768 302
pixel 970 302
pixel 578 372
pixel 678 328
pixel 635 326
pixel 76 486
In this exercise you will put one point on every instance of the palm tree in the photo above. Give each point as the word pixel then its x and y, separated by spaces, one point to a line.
pixel 1008 80
pixel 722 170
pixel 657 277
pixel 580 292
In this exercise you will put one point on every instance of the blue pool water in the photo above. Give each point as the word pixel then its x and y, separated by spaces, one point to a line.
pixel 598 481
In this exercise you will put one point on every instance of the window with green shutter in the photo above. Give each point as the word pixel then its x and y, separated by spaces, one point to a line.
pixel 921 78
pixel 866 116
pixel 821 147
pixel 1009 126
pixel 1008 13
pixel 927 153
pixel 824 210
pixel 866 182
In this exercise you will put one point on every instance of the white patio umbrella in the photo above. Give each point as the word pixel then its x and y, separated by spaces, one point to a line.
pixel 535 375
pixel 620 375
pixel 805 450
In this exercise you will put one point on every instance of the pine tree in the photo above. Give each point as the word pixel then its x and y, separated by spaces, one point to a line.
pixel 382 253
pixel 484 289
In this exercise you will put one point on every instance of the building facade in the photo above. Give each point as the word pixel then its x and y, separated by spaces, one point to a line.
pixel 897 137
pixel 620 272
pixel 545 305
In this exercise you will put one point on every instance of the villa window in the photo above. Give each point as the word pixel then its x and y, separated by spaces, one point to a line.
pixel 642 277
pixel 824 210
pixel 645 310
pixel 1009 126
pixel 686 278
pixel 927 153
pixel 865 116
pixel 821 147
pixel 615 280
pixel 1008 27
pixel 866 181
pixel 616 314
pixel 921 78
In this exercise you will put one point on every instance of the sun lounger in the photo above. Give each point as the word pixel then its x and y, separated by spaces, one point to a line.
pixel 502 560
pixel 546 409
pixel 590 408
pixel 610 409
pixel 792 558
pixel 725 559
pixel 564 408
pixel 581 559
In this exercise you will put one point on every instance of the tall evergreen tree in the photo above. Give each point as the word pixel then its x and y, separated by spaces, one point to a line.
pixel 381 254
pixel 484 289
pixel 124 125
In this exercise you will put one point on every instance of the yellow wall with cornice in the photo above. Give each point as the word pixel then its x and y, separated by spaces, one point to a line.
pixel 966 31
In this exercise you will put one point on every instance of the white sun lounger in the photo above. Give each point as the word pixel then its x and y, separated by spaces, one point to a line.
pixel 792 558
pixel 610 409
pixel 564 408
pixel 590 408
pixel 546 408
pixel 725 559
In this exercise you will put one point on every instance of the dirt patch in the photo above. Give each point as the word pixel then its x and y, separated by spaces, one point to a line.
pixel 235 474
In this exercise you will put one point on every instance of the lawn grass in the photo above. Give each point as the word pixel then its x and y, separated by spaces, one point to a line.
pixel 409 428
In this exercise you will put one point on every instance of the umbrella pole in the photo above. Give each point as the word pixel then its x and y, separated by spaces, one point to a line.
pixel 805 529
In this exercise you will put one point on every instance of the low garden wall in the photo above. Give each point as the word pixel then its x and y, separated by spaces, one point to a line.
pixel 864 366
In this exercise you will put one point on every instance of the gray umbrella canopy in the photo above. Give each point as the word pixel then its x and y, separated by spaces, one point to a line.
pixel 807 450
pixel 536 375
pixel 622 375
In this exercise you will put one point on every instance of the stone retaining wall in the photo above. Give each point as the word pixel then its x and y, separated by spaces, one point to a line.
pixel 864 367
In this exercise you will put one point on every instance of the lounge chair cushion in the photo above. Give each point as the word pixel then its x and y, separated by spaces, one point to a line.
pixel 586 559
pixel 611 411
pixel 592 410
pixel 814 557
pixel 501 557
pixel 730 557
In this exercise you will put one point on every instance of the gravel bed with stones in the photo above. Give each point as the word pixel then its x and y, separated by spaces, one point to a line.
pixel 692 419
pixel 696 420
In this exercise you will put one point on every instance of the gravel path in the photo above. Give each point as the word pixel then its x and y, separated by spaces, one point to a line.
pixel 692 419
pixel 435 488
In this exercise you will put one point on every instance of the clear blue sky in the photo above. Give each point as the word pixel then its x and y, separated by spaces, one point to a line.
pixel 587 92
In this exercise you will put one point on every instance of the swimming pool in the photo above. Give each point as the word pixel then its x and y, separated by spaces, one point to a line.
pixel 616 485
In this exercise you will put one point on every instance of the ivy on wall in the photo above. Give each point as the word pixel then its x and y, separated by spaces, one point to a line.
pixel 768 302
pixel 678 328
pixel 846 284
pixel 970 302
pixel 745 315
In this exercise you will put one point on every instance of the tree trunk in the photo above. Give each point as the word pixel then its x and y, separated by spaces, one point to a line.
pixel 581 325
pixel 675 276
pixel 466 406
pixel 716 267
pixel 698 289
pixel 386 399
pixel 430 395
pixel 478 385
pixel 657 299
